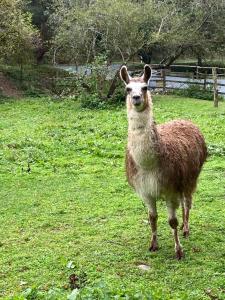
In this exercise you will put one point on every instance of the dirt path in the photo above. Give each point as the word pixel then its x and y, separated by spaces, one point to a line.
pixel 8 88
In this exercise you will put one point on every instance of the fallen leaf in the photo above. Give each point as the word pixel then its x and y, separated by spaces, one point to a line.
pixel 144 267
pixel 70 265
pixel 196 250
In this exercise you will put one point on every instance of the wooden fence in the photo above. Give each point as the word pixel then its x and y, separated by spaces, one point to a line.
pixel 183 76
pixel 211 79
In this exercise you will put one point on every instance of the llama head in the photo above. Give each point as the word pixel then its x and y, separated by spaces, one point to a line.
pixel 137 88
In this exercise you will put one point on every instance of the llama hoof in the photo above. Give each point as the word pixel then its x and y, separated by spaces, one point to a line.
pixel 179 254
pixel 153 247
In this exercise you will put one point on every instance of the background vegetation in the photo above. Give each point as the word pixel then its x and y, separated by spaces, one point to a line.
pixel 77 31
pixel 84 32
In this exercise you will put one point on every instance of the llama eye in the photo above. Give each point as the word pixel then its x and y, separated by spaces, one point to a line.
pixel 128 89
pixel 145 88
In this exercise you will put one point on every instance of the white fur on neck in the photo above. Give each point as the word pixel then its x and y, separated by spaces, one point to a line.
pixel 141 139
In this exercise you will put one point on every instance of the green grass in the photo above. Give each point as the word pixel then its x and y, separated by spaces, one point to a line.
pixel 64 198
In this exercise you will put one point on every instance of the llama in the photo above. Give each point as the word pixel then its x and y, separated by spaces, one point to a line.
pixel 161 160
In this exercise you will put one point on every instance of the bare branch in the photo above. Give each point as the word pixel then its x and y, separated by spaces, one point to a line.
pixel 121 53
pixel 160 27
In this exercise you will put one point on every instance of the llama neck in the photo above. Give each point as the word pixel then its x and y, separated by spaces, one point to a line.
pixel 140 122
pixel 142 137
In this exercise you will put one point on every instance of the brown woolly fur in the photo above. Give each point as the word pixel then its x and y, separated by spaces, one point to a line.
pixel 182 154
pixel 181 151
pixel 161 160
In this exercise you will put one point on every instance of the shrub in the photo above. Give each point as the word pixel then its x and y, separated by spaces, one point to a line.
pixel 94 85
pixel 91 101
pixel 196 91
pixel 119 95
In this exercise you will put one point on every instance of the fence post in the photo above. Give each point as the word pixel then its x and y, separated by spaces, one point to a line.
pixel 54 84
pixel 197 72
pixel 205 78
pixel 163 75
pixel 215 87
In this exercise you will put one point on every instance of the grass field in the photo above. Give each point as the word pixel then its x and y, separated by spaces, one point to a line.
pixel 66 207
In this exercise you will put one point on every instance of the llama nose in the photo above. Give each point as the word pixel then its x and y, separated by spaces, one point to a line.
pixel 136 100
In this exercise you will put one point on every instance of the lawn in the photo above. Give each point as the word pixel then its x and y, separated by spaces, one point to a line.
pixel 66 208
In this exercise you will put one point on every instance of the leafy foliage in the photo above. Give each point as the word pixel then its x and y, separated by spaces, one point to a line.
pixel 17 34
pixel 165 29
pixel 35 80
pixel 78 31
pixel 196 91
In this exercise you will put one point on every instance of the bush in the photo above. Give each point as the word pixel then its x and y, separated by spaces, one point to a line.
pixel 94 86
pixel 91 101
pixel 196 91
pixel 33 80
pixel 119 95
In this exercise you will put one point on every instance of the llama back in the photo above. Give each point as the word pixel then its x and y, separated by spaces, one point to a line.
pixel 183 152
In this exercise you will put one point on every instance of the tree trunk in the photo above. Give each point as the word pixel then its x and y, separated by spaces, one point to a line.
pixel 114 82
pixel 40 52
pixel 113 85
pixel 167 61
pixel 54 56
pixel 199 60
pixel 21 73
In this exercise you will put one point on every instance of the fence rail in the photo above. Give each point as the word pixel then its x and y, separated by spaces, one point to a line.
pixel 170 78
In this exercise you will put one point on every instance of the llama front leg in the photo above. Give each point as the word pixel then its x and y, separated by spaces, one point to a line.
pixel 174 225
pixel 153 217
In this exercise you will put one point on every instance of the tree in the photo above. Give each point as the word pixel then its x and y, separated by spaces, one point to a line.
pixel 17 35
pixel 84 31
pixel 195 27
pixel 121 29
pixel 41 11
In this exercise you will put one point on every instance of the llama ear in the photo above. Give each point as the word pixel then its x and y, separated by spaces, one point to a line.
pixel 147 73
pixel 124 74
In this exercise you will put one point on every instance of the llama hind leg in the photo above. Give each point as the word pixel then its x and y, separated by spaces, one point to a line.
pixel 173 222
pixel 183 212
pixel 186 212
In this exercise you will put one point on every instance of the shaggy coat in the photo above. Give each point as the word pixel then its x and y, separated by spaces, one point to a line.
pixel 179 151
pixel 161 160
